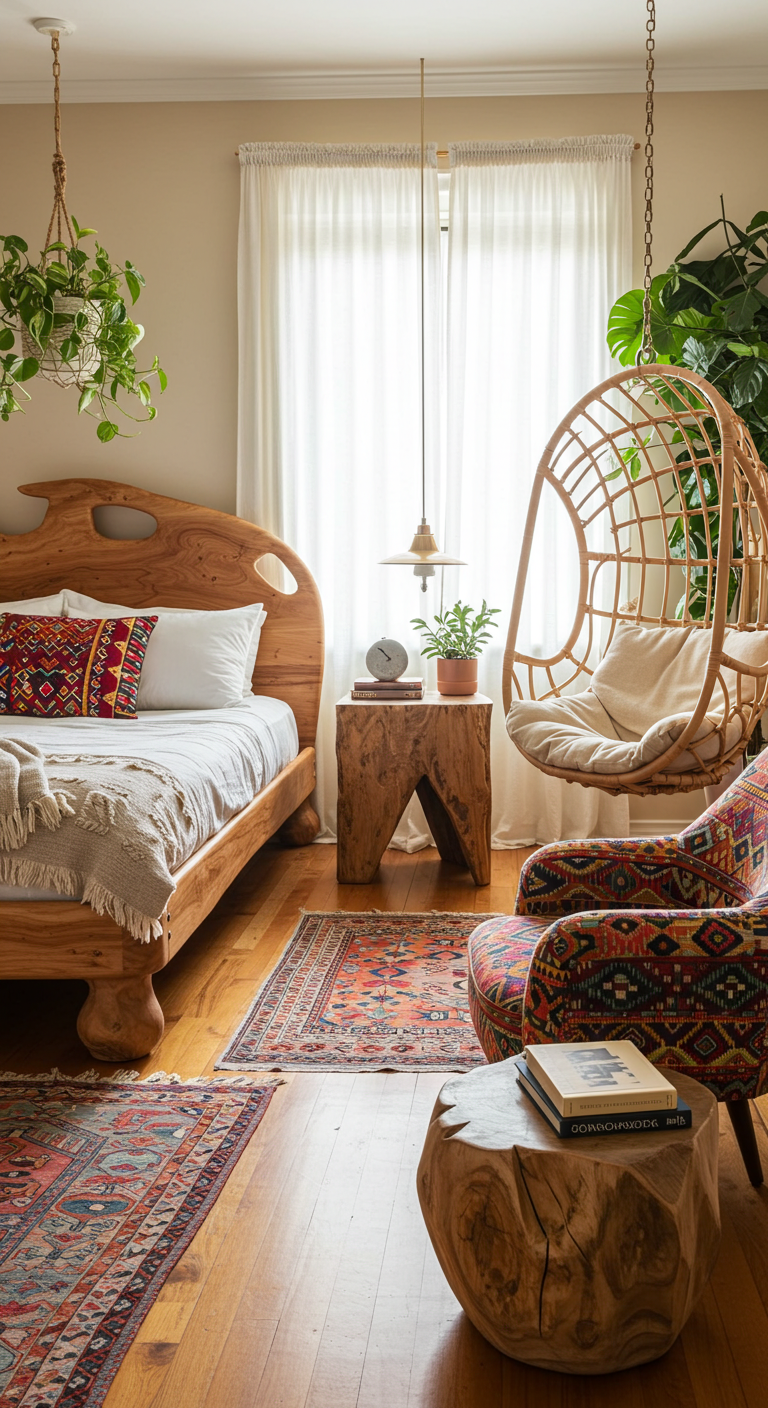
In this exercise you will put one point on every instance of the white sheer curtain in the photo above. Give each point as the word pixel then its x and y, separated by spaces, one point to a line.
pixel 539 248
pixel 328 435
pixel 329 445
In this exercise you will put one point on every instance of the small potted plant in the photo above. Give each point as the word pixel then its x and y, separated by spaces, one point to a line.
pixel 460 636
pixel 73 324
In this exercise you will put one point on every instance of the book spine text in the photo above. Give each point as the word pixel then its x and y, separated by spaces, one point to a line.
pixel 388 694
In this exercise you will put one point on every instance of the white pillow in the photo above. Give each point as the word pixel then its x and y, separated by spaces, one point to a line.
pixel 36 606
pixel 194 659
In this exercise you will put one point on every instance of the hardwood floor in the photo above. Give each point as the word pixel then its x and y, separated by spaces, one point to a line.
pixel 312 1284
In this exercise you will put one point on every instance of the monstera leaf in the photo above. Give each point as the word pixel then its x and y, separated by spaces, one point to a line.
pixel 710 315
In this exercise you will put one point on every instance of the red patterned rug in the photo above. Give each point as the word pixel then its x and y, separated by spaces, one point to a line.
pixel 364 992
pixel 103 1185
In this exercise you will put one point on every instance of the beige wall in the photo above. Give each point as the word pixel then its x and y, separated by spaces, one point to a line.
pixel 161 184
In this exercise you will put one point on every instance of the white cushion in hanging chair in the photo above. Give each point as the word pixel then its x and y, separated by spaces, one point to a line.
pixel 643 694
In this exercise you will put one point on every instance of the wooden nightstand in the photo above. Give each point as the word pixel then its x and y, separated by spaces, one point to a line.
pixel 438 747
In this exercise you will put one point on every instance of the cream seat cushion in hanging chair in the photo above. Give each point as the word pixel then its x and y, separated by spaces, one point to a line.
pixel 643 694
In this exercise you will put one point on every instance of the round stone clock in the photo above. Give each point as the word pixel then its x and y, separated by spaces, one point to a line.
pixel 387 659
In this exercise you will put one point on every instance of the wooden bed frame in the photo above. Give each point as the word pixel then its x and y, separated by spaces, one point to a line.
pixel 200 558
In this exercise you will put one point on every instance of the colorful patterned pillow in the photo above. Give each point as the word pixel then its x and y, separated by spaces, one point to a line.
pixel 57 666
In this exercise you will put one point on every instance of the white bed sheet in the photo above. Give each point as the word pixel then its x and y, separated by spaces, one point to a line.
pixel 212 751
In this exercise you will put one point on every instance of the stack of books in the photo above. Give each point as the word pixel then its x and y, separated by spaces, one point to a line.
pixel 599 1087
pixel 407 687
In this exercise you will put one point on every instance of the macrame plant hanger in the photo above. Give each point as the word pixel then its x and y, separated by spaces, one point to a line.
pixel 620 463
pixel 52 367
pixel 59 212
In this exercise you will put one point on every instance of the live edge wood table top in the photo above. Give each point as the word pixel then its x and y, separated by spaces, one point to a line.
pixel 438 747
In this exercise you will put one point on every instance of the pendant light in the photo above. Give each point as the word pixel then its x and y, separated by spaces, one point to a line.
pixel 423 554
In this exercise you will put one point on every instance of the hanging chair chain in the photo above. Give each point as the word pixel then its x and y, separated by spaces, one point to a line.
pixel 647 353
pixel 59 211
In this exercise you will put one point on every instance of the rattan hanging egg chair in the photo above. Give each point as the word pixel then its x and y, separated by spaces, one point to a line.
pixel 664 675
pixel 668 651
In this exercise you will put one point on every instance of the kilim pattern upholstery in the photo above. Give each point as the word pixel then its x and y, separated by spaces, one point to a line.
pixel 54 666
pixel 664 942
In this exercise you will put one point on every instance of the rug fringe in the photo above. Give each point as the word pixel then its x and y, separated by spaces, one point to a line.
pixel 358 1070
pixel 128 1077
pixel 402 913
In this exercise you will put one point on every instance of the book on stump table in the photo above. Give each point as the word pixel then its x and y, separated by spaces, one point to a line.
pixel 403 682
pixel 599 1077
pixel 618 1122
pixel 406 687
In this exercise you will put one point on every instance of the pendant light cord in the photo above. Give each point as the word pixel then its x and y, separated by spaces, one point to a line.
pixel 646 353
pixel 423 379
pixel 59 211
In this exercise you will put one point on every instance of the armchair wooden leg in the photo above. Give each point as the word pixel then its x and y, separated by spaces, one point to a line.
pixel 741 1118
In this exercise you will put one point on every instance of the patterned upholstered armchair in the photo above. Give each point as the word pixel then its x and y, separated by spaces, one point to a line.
pixel 664 942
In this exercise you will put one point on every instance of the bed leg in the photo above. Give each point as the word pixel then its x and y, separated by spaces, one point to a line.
pixel 121 1019
pixel 301 827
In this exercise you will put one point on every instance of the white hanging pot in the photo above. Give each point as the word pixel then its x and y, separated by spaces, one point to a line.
pixel 52 365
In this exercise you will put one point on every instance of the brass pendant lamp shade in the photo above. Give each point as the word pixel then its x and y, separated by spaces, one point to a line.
pixel 423 554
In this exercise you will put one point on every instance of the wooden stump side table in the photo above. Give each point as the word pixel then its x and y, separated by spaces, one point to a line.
pixel 438 747
pixel 581 1255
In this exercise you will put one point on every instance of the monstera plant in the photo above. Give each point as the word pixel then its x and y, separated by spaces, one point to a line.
pixel 70 315
pixel 710 315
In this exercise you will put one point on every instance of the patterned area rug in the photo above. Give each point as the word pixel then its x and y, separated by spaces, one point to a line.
pixel 103 1185
pixel 364 992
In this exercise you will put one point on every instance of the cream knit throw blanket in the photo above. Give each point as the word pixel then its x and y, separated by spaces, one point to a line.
pixel 110 826
pixel 25 797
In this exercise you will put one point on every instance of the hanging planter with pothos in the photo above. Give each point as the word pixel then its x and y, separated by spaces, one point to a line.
pixel 69 311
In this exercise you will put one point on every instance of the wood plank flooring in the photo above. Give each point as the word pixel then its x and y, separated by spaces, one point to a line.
pixel 313 1284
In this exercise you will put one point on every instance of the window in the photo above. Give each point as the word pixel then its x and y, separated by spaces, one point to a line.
pixel 517 294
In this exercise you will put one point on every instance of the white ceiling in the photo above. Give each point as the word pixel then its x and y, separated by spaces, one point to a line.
pixel 144 50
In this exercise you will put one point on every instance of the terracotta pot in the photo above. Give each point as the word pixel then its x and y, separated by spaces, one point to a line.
pixel 456 676
pixel 52 366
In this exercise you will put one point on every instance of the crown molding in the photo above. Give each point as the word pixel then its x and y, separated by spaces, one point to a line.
pixel 388 83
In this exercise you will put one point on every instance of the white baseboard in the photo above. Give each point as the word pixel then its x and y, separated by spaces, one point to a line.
pixel 663 826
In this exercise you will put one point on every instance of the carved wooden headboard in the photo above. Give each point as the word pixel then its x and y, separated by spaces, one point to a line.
pixel 197 557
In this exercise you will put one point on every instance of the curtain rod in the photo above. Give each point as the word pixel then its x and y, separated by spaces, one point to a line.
pixel 443 151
